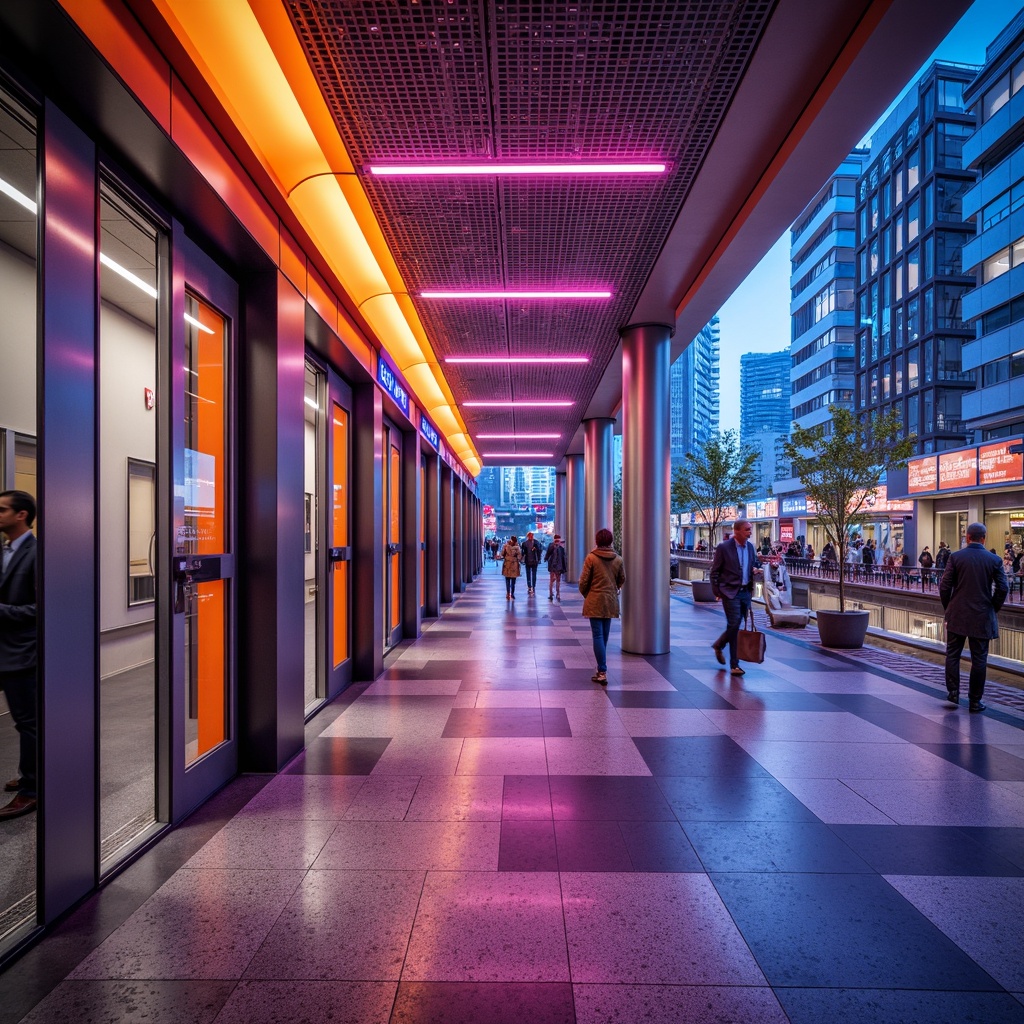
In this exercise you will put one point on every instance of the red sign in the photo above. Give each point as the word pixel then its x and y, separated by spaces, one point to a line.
pixel 922 475
pixel 998 465
pixel 785 530
pixel 958 469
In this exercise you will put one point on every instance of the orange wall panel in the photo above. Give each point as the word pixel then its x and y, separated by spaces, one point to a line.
pixel 193 133
pixel 321 298
pixel 293 261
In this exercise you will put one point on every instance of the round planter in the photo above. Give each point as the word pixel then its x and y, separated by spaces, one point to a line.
pixel 842 629
pixel 702 591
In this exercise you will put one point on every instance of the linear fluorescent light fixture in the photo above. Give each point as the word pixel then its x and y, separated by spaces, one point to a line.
pixel 517 359
pixel 519 403
pixel 498 293
pixel 19 197
pixel 449 170
pixel 130 277
pixel 195 323
pixel 517 455
pixel 518 437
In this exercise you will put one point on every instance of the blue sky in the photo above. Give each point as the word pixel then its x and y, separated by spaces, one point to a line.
pixel 756 317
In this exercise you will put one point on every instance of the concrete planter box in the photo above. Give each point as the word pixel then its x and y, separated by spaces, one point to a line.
pixel 842 630
pixel 702 590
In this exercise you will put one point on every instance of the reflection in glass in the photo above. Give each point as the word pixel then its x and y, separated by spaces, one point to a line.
pixel 18 229
pixel 310 475
pixel 127 526
pixel 205 526
pixel 339 532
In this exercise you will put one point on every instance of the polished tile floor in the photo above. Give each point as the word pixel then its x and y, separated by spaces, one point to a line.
pixel 485 835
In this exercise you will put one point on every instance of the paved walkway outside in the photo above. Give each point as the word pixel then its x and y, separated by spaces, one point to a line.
pixel 485 835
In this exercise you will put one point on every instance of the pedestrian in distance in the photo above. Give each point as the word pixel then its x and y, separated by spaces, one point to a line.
pixel 941 556
pixel 557 567
pixel 732 582
pixel 532 554
pixel 601 579
pixel 972 590
pixel 18 657
pixel 511 559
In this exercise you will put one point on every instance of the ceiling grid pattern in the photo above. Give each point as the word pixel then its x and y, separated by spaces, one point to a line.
pixel 443 81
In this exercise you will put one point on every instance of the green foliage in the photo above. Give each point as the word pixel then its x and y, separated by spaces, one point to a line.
pixel 617 514
pixel 715 476
pixel 841 471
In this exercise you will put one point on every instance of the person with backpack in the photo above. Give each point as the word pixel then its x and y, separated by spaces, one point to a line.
pixel 557 567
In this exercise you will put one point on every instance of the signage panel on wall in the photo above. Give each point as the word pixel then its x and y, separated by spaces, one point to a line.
pixel 958 469
pixel 387 378
pixel 429 433
pixel 922 475
pixel 794 505
pixel 998 465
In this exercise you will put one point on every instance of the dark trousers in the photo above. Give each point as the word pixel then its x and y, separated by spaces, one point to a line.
pixel 735 609
pixel 20 690
pixel 531 577
pixel 979 664
pixel 510 585
pixel 600 629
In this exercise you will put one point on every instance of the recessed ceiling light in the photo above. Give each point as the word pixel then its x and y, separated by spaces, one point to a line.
pixel 143 286
pixel 517 359
pixel 517 402
pixel 444 170
pixel 498 293
pixel 19 197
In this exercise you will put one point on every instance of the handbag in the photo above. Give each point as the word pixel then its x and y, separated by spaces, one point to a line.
pixel 750 642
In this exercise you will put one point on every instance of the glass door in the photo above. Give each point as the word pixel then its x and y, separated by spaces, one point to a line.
pixel 392 505
pixel 339 541
pixel 204 720
pixel 313 445
pixel 423 535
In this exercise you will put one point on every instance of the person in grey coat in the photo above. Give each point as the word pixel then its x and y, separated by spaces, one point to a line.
pixel 972 590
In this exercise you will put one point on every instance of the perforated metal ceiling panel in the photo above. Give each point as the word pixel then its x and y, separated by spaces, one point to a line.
pixel 476 80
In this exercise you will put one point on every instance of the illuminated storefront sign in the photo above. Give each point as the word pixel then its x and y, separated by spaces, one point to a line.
pixel 387 377
pixel 958 469
pixel 922 475
pixel 998 465
pixel 429 433
pixel 795 505
pixel 765 509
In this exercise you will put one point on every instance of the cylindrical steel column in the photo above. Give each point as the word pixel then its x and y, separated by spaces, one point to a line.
pixel 597 473
pixel 576 546
pixel 646 467
pixel 560 505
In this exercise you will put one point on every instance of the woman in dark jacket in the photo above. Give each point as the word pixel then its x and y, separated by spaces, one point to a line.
pixel 601 579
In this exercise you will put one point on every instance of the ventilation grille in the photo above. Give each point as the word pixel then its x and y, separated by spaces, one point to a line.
pixel 470 80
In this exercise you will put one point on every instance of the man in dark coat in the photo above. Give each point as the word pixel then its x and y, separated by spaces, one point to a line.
pixel 532 554
pixel 973 589
pixel 732 582
pixel 18 640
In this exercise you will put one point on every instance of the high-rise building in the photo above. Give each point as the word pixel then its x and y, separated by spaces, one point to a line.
pixel 911 231
pixel 995 307
pixel 765 413
pixel 822 251
pixel 694 395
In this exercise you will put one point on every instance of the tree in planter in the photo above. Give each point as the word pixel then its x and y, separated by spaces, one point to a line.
pixel 714 477
pixel 841 471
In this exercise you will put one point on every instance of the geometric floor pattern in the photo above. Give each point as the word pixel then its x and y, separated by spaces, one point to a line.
pixel 485 835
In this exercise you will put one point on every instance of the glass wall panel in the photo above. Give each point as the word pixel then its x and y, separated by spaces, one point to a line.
pixel 18 732
pixel 311 536
pixel 339 531
pixel 129 309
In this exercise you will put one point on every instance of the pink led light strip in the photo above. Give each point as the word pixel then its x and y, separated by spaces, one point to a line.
pixel 517 359
pixel 498 294
pixel 443 170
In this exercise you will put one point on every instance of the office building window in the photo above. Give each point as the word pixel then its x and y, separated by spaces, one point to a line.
pixel 913 354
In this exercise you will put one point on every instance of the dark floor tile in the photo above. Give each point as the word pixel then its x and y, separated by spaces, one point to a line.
pixel 497 679
pixel 704 756
pixel 493 722
pixel 751 700
pixel 434 670
pixel 339 755
pixel 1006 842
pixel 591 846
pixel 658 846
pixel 526 798
pixel 925 850
pixel 981 759
pixel 556 722
pixel 476 1002
pixel 732 799
pixel 565 679
pixel 671 666
pixel 911 727
pixel 444 634
pixel 835 931
pixel 771 846
pixel 608 798
pixel 527 846
pixel 105 1002
pixel 875 1006
pixel 659 699
pixel 829 665
pixel 860 703
pixel 543 644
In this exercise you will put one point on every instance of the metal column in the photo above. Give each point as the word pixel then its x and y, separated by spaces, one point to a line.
pixel 446 534
pixel 560 504
pixel 576 546
pixel 598 482
pixel 645 487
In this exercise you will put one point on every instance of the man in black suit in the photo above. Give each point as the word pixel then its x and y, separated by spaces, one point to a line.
pixel 973 589
pixel 732 582
pixel 18 640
